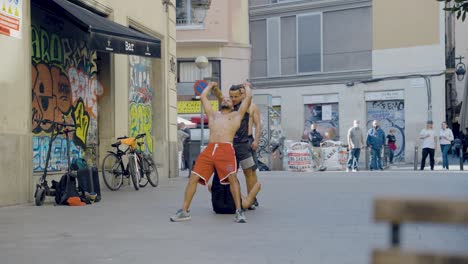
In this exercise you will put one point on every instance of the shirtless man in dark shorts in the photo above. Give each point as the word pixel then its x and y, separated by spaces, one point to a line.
pixel 219 153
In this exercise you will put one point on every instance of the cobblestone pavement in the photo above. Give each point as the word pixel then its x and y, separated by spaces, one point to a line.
pixel 303 218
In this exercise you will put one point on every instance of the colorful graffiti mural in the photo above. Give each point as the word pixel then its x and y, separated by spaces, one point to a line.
pixel 65 88
pixel 391 114
pixel 140 99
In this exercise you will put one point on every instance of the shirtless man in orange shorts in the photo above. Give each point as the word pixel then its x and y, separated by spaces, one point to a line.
pixel 219 153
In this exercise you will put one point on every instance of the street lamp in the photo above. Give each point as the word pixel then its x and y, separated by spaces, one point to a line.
pixel 460 69
pixel 201 62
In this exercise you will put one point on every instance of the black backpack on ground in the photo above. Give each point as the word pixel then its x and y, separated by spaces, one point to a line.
pixel 221 197
pixel 65 188
pixel 88 182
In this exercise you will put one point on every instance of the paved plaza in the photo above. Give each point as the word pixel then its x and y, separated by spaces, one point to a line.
pixel 303 218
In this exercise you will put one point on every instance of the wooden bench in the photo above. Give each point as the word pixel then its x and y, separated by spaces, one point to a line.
pixel 397 211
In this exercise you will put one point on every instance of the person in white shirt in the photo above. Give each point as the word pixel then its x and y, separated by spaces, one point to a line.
pixel 428 144
pixel 445 139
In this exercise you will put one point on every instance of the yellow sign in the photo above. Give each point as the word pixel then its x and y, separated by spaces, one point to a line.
pixel 193 107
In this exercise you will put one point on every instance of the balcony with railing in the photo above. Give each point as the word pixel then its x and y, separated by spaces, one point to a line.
pixel 191 13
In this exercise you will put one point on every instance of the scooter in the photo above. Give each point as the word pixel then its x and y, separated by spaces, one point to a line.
pixel 42 187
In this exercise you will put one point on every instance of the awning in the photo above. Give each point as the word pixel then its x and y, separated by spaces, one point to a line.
pixel 106 35
pixel 187 123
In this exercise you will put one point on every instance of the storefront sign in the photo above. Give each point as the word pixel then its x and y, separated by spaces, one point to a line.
pixel 193 107
pixel 11 14
pixel 321 99
pixel 387 95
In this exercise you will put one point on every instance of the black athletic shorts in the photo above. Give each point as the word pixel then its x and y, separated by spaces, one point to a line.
pixel 244 156
pixel 254 152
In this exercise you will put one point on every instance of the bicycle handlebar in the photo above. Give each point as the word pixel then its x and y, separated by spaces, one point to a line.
pixel 140 136
pixel 47 121
pixel 137 137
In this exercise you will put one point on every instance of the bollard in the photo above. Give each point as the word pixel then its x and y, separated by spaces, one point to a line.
pixel 386 157
pixel 460 152
pixel 415 158
pixel 367 157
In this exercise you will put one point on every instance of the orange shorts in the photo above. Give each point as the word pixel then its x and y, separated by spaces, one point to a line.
pixel 219 156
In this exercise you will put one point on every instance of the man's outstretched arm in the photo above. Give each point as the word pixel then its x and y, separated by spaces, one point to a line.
pixel 217 92
pixel 204 98
pixel 247 100
pixel 256 123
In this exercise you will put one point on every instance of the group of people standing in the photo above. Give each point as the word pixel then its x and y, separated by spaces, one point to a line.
pixel 231 144
pixel 375 140
pixel 429 144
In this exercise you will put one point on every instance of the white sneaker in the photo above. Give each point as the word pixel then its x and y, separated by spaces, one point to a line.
pixel 347 169
pixel 354 170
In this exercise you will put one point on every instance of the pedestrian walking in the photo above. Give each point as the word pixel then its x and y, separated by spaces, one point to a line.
pixel 181 136
pixel 445 139
pixel 315 140
pixel 375 141
pixel 428 144
pixel 391 142
pixel 355 143
pixel 186 150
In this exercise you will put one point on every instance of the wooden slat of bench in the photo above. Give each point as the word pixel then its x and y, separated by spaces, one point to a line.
pixel 395 256
pixel 399 210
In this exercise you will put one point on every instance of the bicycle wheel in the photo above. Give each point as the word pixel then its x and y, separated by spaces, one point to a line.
pixel 134 170
pixel 112 172
pixel 150 171
pixel 143 179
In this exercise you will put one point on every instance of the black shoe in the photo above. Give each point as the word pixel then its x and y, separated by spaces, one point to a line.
pixel 254 205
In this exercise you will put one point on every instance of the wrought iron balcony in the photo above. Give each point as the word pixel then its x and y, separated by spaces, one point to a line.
pixel 188 22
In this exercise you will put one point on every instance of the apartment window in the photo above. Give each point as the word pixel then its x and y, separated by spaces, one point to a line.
pixel 309 43
pixel 189 73
pixel 191 12
pixel 273 48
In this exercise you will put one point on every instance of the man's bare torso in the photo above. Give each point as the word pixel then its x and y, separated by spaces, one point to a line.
pixel 223 126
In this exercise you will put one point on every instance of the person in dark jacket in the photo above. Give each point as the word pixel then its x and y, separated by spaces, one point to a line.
pixel 186 150
pixel 375 141
pixel 315 140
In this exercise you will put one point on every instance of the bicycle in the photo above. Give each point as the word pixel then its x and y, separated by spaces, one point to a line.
pixel 138 166
pixel 42 187
pixel 147 166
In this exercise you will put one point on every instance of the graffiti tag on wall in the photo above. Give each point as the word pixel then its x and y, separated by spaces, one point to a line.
pixel 391 114
pixel 140 100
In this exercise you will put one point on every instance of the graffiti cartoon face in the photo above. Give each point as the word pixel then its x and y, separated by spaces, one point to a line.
pixel 61 90
pixel 43 103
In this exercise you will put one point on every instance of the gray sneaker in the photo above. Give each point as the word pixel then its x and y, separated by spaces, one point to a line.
pixel 240 217
pixel 181 215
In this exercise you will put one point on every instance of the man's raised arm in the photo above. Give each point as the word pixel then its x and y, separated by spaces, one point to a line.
pixel 204 98
pixel 247 100
pixel 217 92
pixel 256 122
